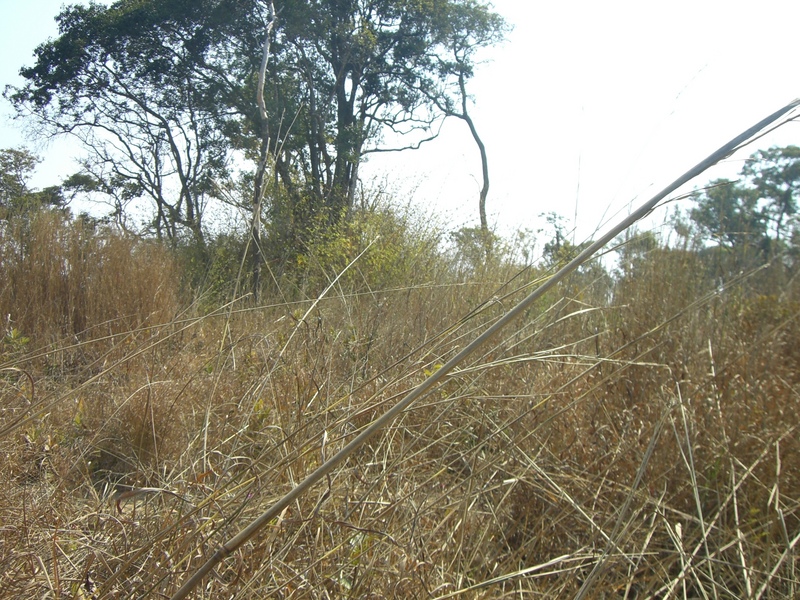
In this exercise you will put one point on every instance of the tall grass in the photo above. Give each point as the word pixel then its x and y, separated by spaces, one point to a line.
pixel 648 424
pixel 65 279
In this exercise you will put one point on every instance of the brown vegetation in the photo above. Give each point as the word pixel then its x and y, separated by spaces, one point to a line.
pixel 649 423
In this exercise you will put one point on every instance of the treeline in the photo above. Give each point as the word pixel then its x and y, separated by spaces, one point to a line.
pixel 267 110
pixel 733 227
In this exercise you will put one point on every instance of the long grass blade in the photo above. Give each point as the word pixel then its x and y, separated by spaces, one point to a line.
pixel 428 384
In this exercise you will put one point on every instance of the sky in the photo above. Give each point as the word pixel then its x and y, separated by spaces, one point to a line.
pixel 588 108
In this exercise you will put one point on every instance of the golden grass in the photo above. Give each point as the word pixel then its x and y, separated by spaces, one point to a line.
pixel 648 441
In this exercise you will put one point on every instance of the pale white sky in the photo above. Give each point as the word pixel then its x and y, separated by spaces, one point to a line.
pixel 601 101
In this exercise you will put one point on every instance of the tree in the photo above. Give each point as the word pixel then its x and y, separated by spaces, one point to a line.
pixel 754 211
pixel 749 220
pixel 121 80
pixel 367 70
pixel 163 93
pixel 259 187
pixel 467 31
pixel 775 177
pixel 16 166
pixel 728 213
pixel 17 198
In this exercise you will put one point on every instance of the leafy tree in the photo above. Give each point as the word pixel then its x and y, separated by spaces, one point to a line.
pixel 775 177
pixel 16 196
pixel 753 212
pixel 163 93
pixel 120 78
pixel 751 221
pixel 728 213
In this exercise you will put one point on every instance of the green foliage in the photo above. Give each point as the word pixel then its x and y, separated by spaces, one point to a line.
pixel 216 270
pixel 13 342
pixel 752 219
pixel 16 196
pixel 162 93
pixel 16 166
pixel 119 79
pixel 729 214
pixel 475 249
pixel 400 249
pixel 774 174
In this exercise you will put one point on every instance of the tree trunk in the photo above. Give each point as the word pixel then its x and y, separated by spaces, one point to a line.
pixel 485 233
pixel 259 183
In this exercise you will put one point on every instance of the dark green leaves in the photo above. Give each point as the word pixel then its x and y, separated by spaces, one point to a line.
pixel 755 211
pixel 17 198
pixel 163 92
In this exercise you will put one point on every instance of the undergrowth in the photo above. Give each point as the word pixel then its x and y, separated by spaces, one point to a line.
pixel 646 423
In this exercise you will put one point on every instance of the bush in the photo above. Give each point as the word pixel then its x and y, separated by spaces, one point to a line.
pixel 400 248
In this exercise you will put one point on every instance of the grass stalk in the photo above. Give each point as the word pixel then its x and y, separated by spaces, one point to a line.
pixel 229 547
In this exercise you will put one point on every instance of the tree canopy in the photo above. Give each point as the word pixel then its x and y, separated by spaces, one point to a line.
pixel 17 198
pixel 760 203
pixel 754 215
pixel 163 94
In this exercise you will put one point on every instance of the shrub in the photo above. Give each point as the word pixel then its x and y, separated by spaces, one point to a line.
pixel 401 248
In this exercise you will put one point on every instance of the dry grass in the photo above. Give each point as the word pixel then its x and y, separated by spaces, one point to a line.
pixel 646 443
